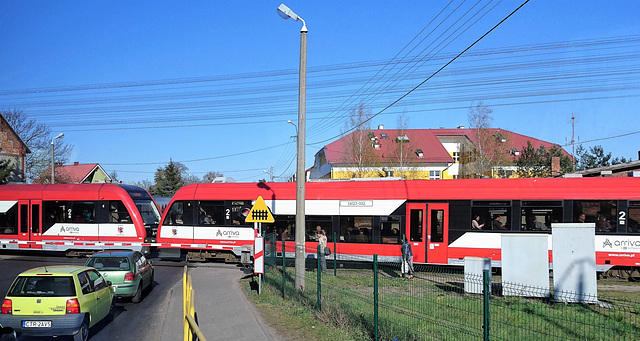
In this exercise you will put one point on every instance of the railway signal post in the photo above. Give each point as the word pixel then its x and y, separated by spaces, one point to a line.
pixel 259 214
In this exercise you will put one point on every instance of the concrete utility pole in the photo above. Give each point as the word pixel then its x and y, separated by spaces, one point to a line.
pixel 53 179
pixel 301 177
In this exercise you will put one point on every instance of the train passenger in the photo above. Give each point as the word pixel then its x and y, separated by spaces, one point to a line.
pixel 581 218
pixel 497 224
pixel 475 223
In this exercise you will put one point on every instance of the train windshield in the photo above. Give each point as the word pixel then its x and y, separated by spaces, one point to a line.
pixel 149 211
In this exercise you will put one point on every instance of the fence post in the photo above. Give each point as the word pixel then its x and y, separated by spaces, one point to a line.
pixel 284 274
pixel 375 295
pixel 486 291
pixel 319 280
pixel 335 251
pixel 402 266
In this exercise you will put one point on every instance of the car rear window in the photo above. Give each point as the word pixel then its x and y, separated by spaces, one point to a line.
pixel 43 286
pixel 109 263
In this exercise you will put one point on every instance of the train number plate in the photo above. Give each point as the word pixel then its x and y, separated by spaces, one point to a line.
pixel 36 324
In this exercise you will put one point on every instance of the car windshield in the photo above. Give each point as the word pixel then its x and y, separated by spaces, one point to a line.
pixel 43 286
pixel 109 263
pixel 149 211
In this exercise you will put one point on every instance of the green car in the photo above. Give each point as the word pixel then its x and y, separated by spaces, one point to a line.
pixel 58 300
pixel 128 271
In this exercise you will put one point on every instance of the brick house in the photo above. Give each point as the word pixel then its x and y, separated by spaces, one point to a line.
pixel 14 149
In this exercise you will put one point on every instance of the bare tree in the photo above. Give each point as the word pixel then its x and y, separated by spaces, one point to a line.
pixel 37 136
pixel 360 154
pixel 403 152
pixel 490 143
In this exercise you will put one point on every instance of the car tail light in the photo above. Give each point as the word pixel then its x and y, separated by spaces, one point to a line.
pixel 7 307
pixel 73 307
pixel 129 277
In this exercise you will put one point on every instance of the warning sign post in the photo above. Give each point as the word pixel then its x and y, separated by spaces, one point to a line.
pixel 259 214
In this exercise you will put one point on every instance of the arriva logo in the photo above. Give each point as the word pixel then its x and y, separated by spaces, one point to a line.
pixel 629 243
pixel 69 229
pixel 227 233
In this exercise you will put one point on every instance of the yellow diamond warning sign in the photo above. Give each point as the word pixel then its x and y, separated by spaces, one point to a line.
pixel 260 213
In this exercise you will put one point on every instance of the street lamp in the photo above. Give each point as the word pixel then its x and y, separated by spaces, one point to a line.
pixel 52 163
pixel 286 13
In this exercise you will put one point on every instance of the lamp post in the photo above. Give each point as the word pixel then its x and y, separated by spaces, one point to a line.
pixel 286 13
pixel 52 162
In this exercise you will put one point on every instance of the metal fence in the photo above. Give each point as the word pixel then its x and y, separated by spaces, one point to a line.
pixel 439 303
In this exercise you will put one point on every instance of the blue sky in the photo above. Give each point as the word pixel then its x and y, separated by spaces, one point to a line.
pixel 211 83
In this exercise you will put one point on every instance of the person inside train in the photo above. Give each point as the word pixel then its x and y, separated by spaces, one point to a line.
pixel 475 223
pixel 497 224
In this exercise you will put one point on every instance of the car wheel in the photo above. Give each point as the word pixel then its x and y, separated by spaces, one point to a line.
pixel 138 296
pixel 83 333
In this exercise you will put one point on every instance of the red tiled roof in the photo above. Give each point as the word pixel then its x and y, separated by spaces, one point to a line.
pixel 76 172
pixel 426 140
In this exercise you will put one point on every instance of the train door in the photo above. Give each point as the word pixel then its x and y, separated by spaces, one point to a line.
pixel 30 220
pixel 415 232
pixel 437 233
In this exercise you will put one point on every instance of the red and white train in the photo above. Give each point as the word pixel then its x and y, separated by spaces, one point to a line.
pixel 76 219
pixel 367 217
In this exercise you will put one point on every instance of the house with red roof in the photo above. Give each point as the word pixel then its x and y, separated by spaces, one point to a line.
pixel 12 148
pixel 421 154
pixel 76 174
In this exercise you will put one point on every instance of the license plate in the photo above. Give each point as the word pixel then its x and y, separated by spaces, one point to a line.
pixel 36 324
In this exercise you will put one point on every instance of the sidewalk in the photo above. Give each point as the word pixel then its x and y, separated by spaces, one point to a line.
pixel 222 309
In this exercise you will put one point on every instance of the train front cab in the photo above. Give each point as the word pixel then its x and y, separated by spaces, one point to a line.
pixel 427 230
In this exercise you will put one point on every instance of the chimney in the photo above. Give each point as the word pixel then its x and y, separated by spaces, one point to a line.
pixel 380 127
pixel 76 163
pixel 555 166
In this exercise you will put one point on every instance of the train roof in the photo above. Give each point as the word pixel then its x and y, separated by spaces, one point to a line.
pixel 476 189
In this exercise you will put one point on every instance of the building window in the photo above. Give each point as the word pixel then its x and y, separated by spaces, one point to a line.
pixel 456 157
pixel 434 175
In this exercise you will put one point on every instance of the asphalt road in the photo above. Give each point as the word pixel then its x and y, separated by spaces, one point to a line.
pixel 142 321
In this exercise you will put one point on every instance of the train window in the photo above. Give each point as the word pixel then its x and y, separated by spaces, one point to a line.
pixel 118 212
pixel 356 229
pixel 492 218
pixel 82 211
pixel 35 218
pixel 601 212
pixel 9 220
pixel 437 226
pixel 24 218
pixel 283 227
pixel 211 213
pixel 180 213
pixel 634 220
pixel 315 223
pixel 415 229
pixel 538 218
pixel 239 211
pixel 390 230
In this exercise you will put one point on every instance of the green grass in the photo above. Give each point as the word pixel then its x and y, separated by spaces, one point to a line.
pixel 434 307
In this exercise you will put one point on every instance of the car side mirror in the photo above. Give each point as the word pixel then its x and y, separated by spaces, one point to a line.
pixel 109 283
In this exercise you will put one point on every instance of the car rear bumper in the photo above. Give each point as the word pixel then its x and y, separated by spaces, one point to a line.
pixel 60 325
pixel 126 290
